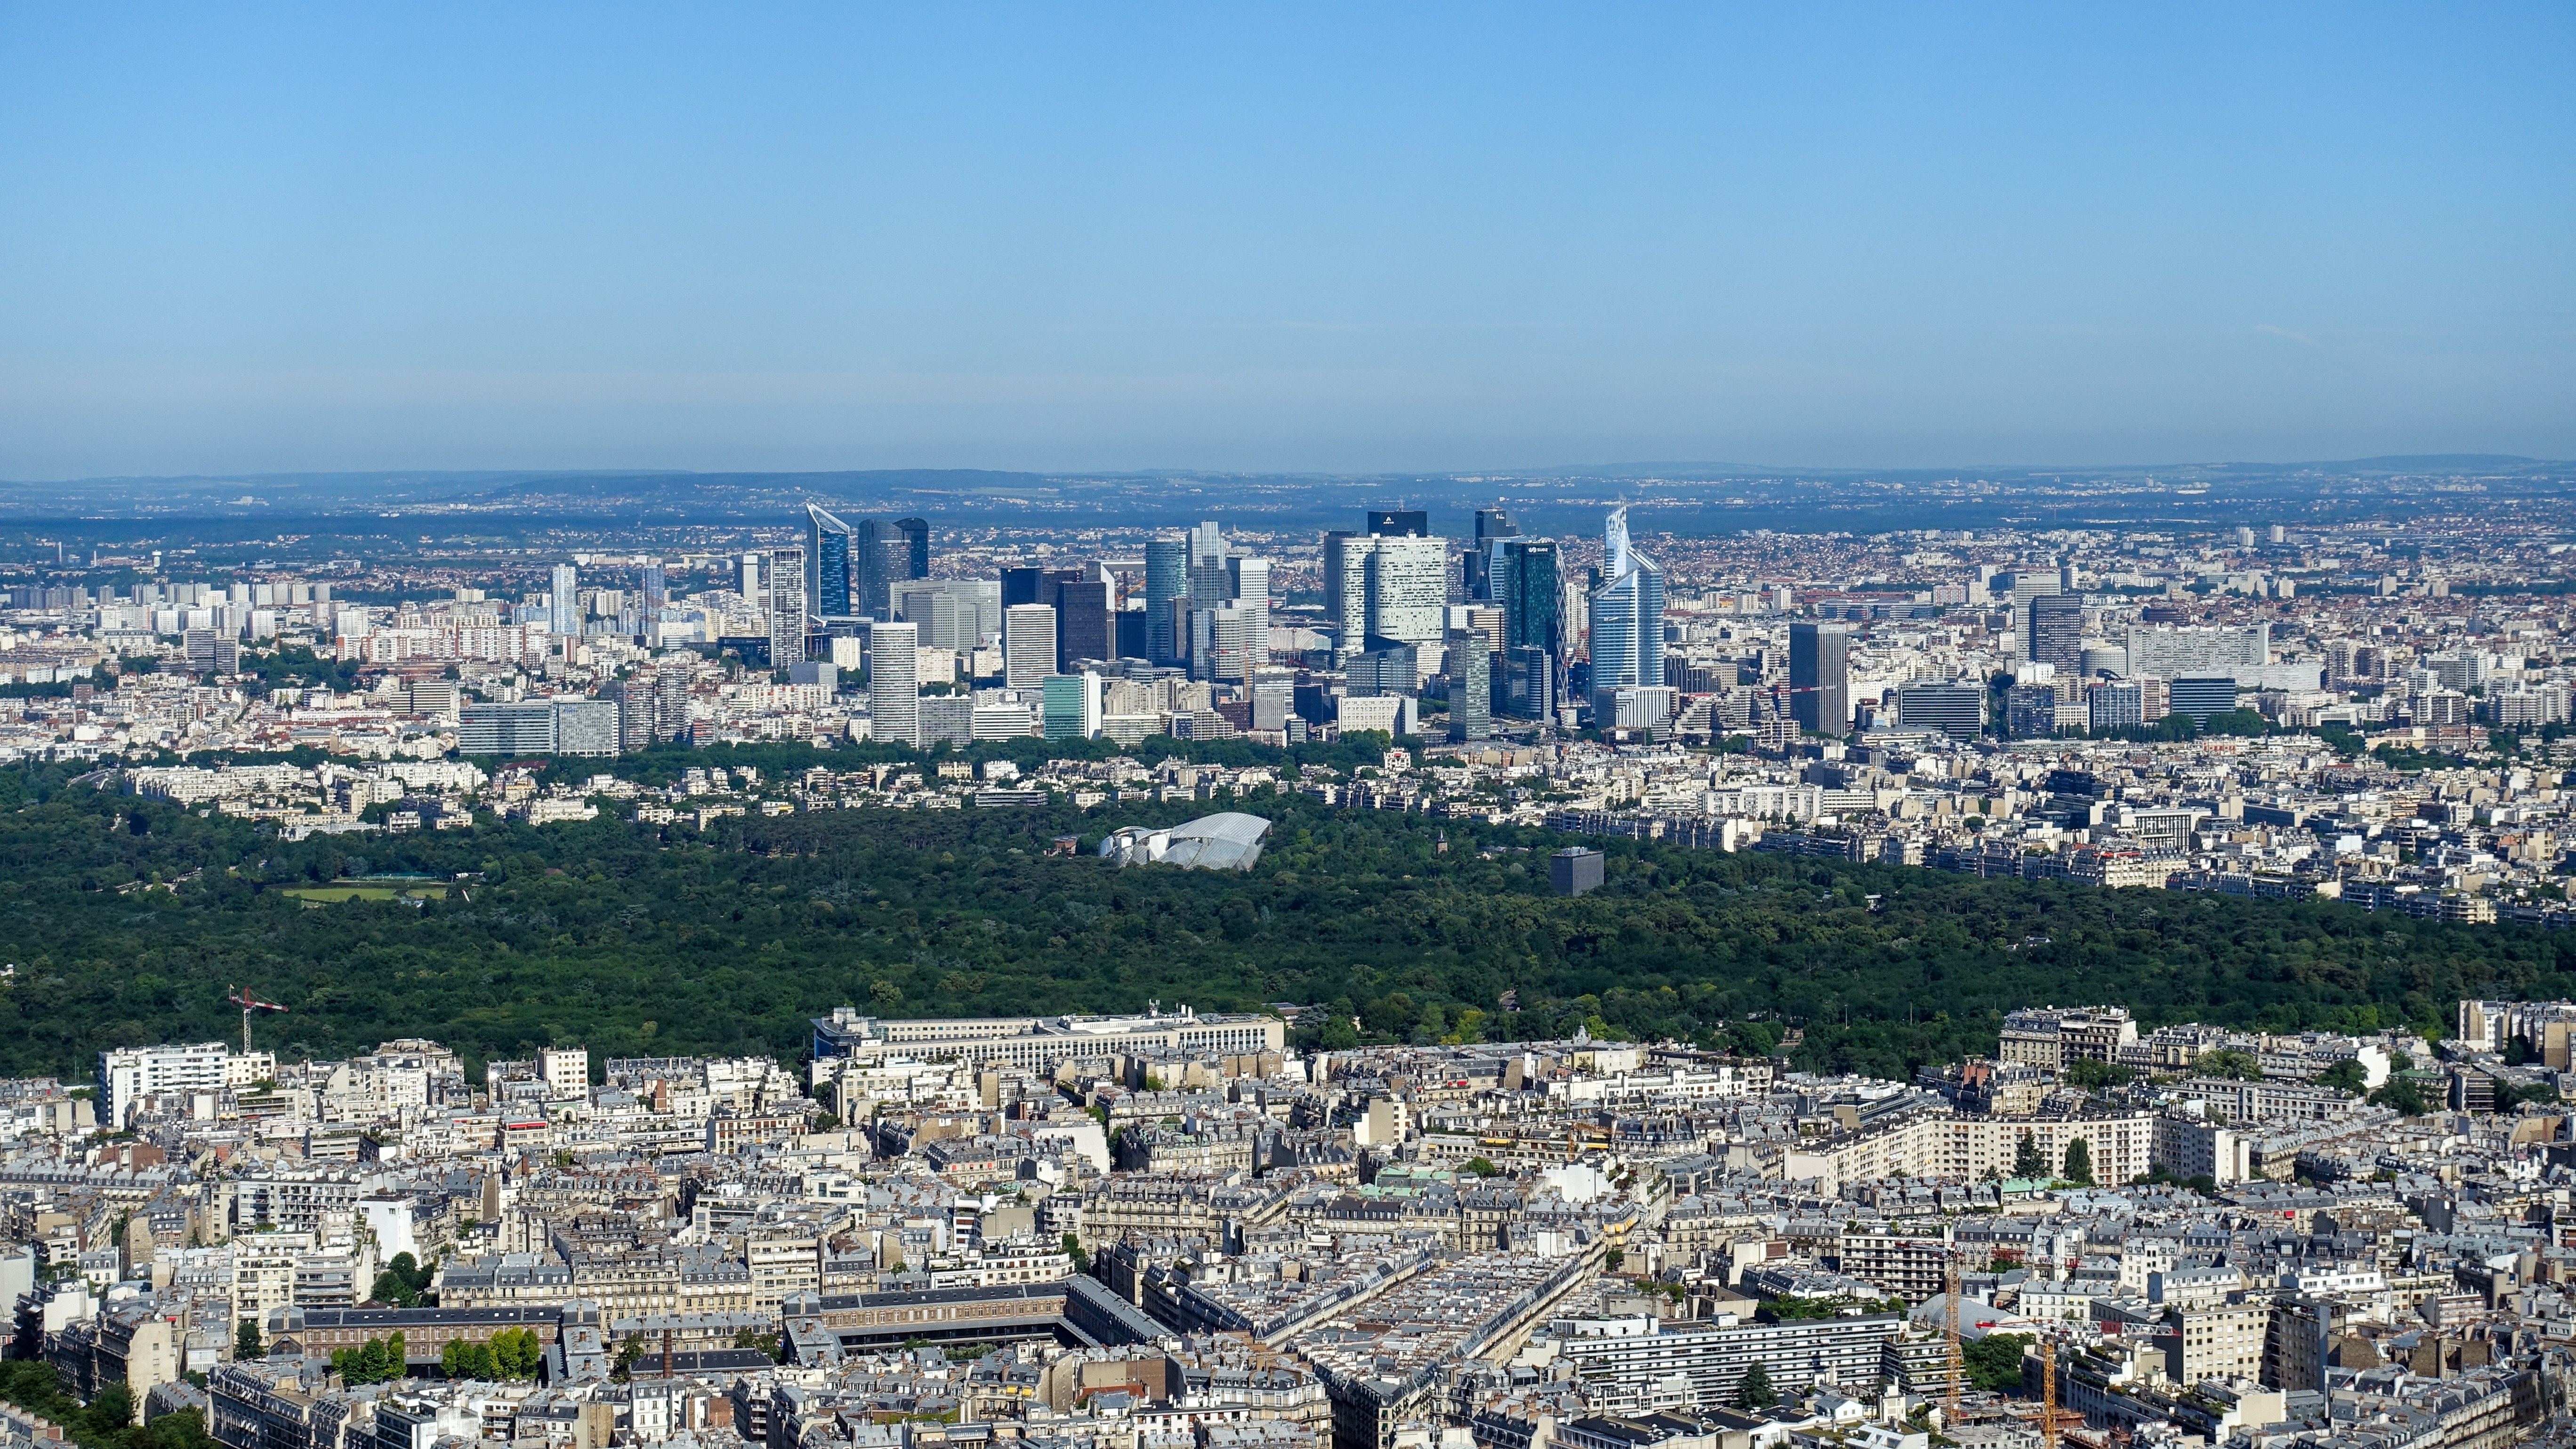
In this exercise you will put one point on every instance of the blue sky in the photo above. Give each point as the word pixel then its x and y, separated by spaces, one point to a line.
pixel 1290 237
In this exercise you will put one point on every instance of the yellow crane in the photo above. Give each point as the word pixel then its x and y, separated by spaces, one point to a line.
pixel 1957 1359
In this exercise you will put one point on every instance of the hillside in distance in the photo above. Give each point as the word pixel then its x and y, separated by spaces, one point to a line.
pixel 600 934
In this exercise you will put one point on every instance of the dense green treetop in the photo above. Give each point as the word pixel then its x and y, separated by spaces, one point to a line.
pixel 628 939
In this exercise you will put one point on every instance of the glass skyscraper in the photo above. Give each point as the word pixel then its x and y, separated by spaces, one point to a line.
pixel 1527 583
pixel 828 558
pixel 1167 577
pixel 1627 615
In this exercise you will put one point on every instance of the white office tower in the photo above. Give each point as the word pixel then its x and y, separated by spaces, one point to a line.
pixel 563 612
pixel 1028 645
pixel 786 607
pixel 1408 590
pixel 894 683
pixel 751 577
pixel 1250 591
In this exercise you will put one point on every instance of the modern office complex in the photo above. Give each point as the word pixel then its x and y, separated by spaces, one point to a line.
pixel 1820 677
pixel 1627 616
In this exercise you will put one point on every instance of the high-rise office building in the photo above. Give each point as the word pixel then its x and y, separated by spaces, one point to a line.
pixel 1248 581
pixel 916 546
pixel 957 614
pixel 1627 617
pixel 2055 628
pixel 1167 577
pixel 1081 598
pixel 1209 585
pixel 884 555
pixel 830 553
pixel 1525 582
pixel 1408 590
pixel 1221 643
pixel 1069 706
pixel 749 583
pixel 1399 523
pixel 657 597
pixel 563 603
pixel 1028 645
pixel 1471 687
pixel 786 606
pixel 1820 677
pixel 1346 557
pixel 1956 708
pixel 1083 629
pixel 1529 683
pixel 1493 525
pixel 894 683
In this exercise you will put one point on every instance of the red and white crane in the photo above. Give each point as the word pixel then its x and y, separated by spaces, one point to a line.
pixel 249 1003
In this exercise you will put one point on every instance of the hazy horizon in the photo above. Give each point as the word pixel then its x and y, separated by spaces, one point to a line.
pixel 1339 242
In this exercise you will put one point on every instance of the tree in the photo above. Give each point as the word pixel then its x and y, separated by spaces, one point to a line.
pixel 2092 1076
pixel 2028 1161
pixel 113 1410
pixel 1073 1253
pixel 1482 1167
pixel 2346 1076
pixel 2079 1163
pixel 1754 1390
pixel 2402 1094
pixel 1994 1361
pixel 247 1342
pixel 402 1282
pixel 2231 1064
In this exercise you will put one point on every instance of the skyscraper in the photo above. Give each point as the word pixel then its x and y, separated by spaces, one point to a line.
pixel 829 555
pixel 786 607
pixel 563 603
pixel 1408 590
pixel 1399 523
pixel 1525 582
pixel 1820 677
pixel 1028 645
pixel 955 614
pixel 883 555
pixel 1493 525
pixel 1627 616
pixel 1208 582
pixel 2056 631
pixel 916 546
pixel 1529 683
pixel 657 597
pixel 1082 622
pixel 894 683
pixel 1346 557
pixel 1167 577
pixel 1248 587
pixel 1471 687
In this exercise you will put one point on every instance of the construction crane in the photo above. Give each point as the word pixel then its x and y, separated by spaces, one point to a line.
pixel 249 1003
pixel 2047 1393
pixel 1958 1360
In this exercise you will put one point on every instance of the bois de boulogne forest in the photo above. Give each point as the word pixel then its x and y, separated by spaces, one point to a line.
pixel 1628 959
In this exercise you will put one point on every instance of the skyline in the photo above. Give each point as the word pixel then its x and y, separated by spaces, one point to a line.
pixel 1340 244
